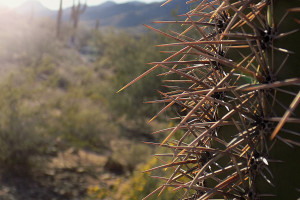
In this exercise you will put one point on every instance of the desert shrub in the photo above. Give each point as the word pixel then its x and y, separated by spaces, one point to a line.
pixel 141 184
pixel 129 154
pixel 126 56
pixel 45 109
pixel 22 128
pixel 83 124
pixel 135 187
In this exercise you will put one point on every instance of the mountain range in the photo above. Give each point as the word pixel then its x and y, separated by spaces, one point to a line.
pixel 125 15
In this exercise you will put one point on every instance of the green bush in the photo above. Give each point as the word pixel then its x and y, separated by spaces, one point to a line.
pixel 141 184
pixel 23 135
pixel 126 56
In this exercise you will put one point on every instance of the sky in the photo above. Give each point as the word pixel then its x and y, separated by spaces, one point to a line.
pixel 54 4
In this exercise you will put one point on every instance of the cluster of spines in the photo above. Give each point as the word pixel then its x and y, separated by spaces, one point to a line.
pixel 226 89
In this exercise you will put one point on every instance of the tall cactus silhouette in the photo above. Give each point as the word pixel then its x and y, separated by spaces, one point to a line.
pixel 59 19
pixel 228 89
pixel 76 11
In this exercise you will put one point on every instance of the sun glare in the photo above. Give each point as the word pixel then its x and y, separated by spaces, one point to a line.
pixel 12 3
pixel 51 4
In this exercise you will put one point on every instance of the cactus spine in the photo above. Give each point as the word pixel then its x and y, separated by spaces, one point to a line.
pixel 228 88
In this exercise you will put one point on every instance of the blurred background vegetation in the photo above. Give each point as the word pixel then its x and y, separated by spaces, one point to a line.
pixel 64 132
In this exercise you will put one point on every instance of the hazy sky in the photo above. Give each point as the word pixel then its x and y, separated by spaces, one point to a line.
pixel 54 4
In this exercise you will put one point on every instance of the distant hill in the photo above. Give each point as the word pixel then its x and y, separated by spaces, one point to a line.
pixel 35 8
pixel 125 15
pixel 133 13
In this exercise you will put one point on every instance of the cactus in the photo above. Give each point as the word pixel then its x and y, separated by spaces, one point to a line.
pixel 228 89
pixel 59 19
pixel 97 24
pixel 76 11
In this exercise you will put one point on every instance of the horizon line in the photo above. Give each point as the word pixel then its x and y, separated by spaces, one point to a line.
pixel 69 6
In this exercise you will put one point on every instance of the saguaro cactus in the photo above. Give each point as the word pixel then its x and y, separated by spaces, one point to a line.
pixel 76 11
pixel 59 19
pixel 97 24
pixel 229 88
